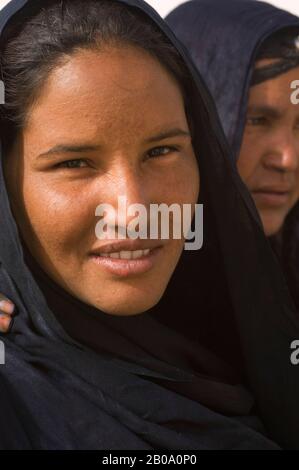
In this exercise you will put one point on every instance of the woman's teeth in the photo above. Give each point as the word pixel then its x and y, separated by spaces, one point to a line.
pixel 127 254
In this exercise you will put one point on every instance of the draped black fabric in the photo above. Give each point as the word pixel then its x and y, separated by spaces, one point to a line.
pixel 283 47
pixel 77 378
pixel 224 39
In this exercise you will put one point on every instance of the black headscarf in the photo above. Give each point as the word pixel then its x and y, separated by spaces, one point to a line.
pixel 77 378
pixel 225 38
pixel 283 47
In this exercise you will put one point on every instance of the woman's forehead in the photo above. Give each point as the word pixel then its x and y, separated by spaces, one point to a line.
pixel 121 86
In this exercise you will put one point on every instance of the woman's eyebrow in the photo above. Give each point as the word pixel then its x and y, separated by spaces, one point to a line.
pixel 65 148
pixel 168 134
pixel 266 110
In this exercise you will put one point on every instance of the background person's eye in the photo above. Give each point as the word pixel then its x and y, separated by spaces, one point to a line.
pixel 161 151
pixel 76 163
pixel 256 120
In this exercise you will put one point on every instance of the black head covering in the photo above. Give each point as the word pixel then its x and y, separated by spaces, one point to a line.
pixel 283 47
pixel 224 39
pixel 77 378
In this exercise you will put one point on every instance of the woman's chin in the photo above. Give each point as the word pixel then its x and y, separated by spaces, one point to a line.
pixel 127 306
pixel 272 223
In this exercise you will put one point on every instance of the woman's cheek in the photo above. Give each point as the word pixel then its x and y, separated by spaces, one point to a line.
pixel 59 221
pixel 187 183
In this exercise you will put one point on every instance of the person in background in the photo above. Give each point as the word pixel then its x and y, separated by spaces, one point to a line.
pixel 248 54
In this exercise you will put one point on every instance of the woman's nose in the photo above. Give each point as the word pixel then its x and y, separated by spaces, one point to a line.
pixel 129 181
pixel 284 155
pixel 126 187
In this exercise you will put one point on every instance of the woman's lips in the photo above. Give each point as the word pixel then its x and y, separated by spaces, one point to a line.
pixel 127 267
pixel 271 198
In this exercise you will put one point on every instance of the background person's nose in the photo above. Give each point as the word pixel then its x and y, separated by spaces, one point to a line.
pixel 284 154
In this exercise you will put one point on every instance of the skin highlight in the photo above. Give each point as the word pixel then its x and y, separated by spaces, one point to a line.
pixel 110 106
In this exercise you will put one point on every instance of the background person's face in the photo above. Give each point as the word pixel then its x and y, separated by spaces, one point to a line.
pixel 269 157
pixel 116 104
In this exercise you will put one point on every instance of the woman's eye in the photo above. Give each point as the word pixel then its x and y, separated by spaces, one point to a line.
pixel 161 151
pixel 256 121
pixel 77 163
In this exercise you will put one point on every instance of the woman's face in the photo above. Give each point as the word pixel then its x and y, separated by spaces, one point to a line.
pixel 106 124
pixel 269 157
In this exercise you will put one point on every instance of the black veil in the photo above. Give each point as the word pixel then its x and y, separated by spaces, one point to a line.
pixel 223 38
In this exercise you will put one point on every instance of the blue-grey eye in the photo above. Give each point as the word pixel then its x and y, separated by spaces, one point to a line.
pixel 77 163
pixel 256 121
pixel 160 151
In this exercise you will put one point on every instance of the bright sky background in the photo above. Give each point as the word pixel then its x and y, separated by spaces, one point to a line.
pixel 165 6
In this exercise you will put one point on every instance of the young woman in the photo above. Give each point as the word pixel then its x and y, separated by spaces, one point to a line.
pixel 249 71
pixel 174 349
